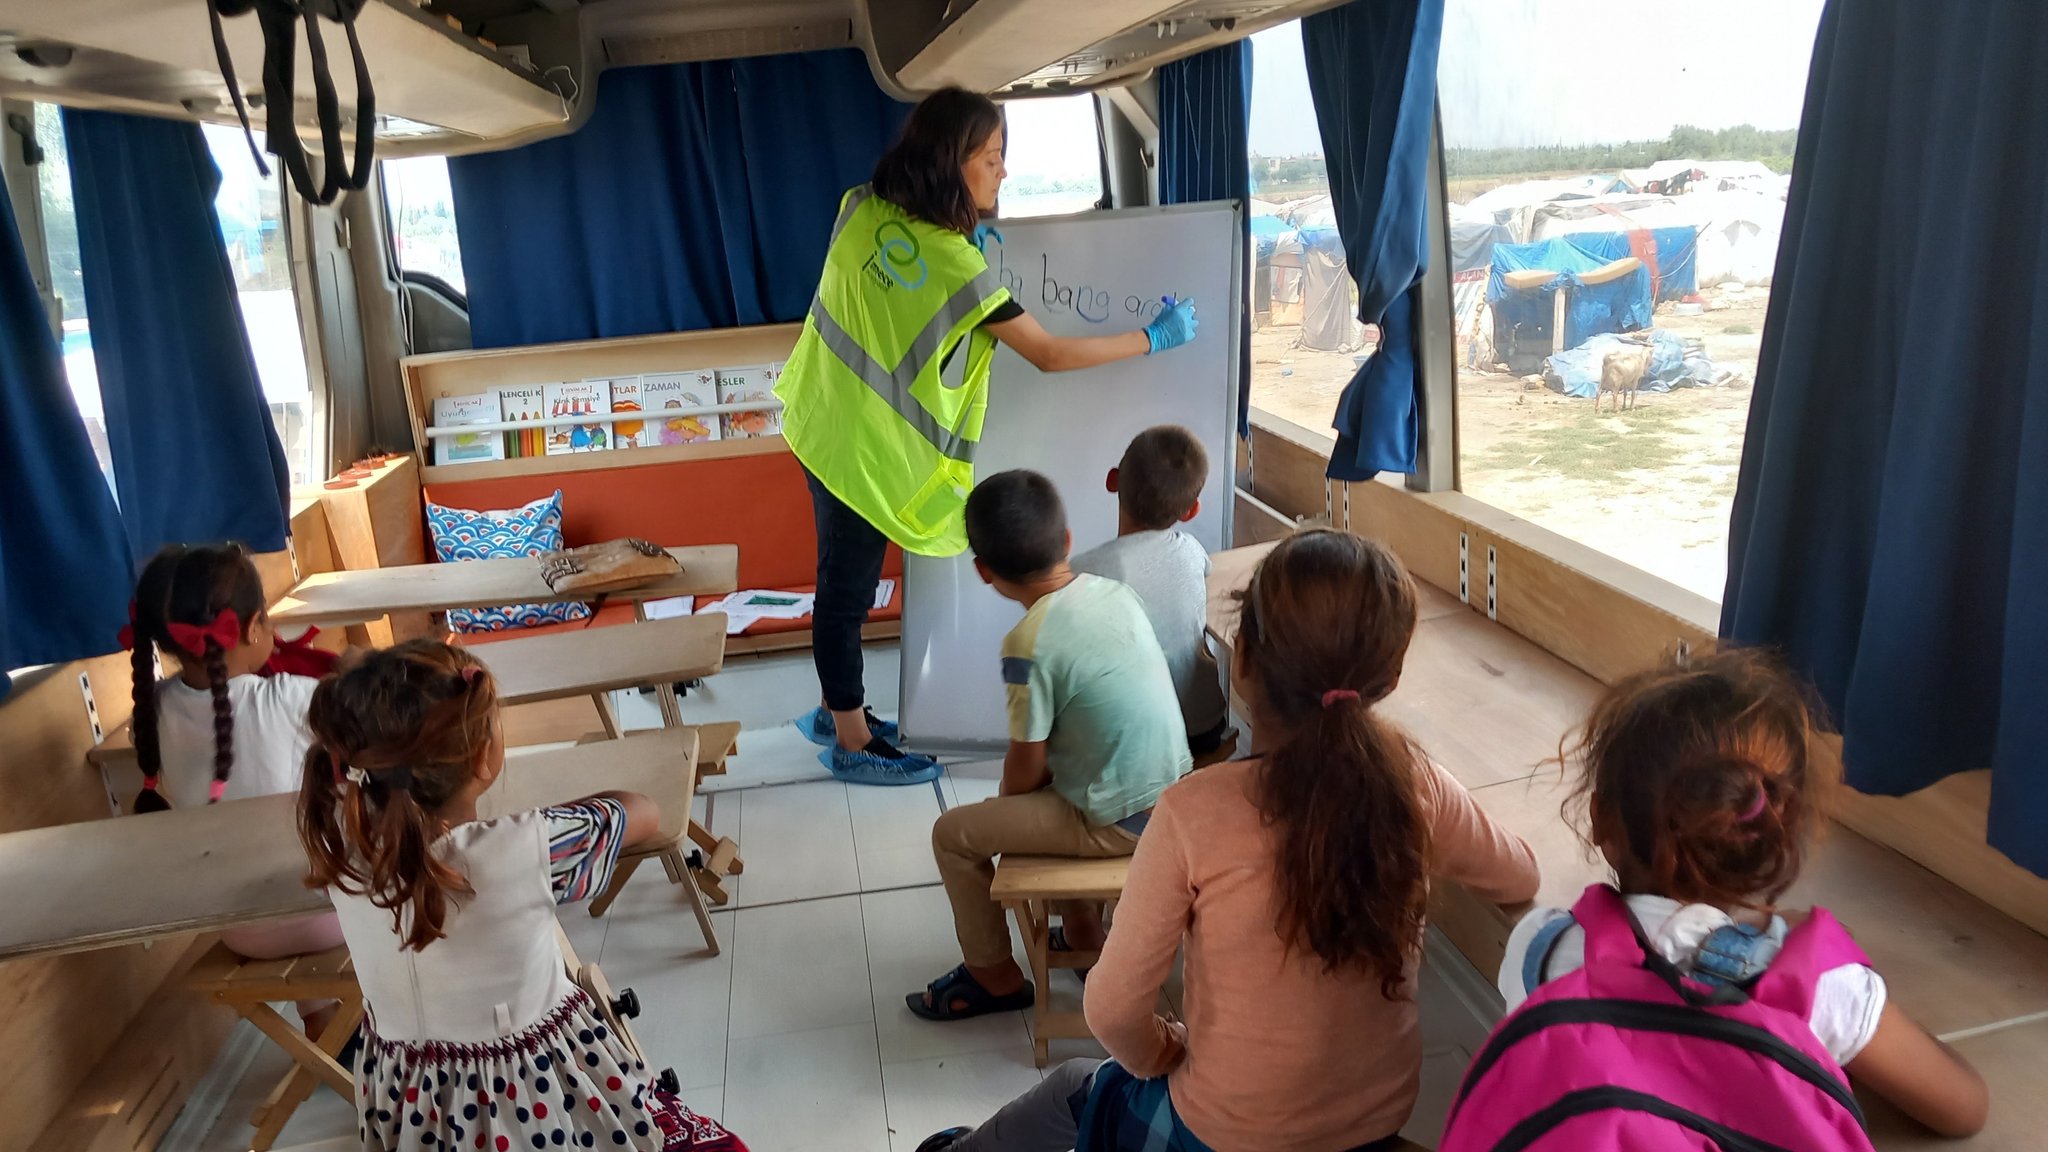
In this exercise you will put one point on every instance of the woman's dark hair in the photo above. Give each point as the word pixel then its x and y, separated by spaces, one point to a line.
pixel 395 735
pixel 1323 630
pixel 1712 778
pixel 190 587
pixel 920 173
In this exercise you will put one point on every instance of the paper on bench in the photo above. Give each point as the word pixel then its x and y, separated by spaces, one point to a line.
pixel 669 608
pixel 743 608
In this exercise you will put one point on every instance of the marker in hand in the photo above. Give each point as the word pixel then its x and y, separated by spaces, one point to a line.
pixel 1172 327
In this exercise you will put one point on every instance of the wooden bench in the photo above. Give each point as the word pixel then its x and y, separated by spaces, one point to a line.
pixel 250 987
pixel 1030 887
pixel 716 858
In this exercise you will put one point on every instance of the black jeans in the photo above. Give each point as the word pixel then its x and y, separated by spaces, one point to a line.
pixel 850 553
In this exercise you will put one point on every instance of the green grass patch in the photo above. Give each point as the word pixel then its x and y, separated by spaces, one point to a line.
pixel 1738 330
pixel 1589 447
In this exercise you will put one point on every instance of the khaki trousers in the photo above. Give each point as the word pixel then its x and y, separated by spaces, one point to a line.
pixel 967 840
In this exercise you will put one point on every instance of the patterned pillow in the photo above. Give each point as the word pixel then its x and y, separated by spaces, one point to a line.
pixel 460 534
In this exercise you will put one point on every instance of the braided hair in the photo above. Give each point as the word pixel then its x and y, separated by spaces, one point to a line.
pixel 192 586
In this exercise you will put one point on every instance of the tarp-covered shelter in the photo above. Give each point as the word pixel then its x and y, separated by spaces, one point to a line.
pixel 1522 317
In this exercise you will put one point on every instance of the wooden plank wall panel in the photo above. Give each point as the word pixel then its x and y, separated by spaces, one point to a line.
pixel 1423 537
pixel 1942 829
pixel 1288 475
pixel 61 1018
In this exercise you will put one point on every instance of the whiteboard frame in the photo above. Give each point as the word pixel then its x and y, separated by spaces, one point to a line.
pixel 1235 328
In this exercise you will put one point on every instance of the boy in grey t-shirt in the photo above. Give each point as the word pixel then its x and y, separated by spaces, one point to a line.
pixel 1158 486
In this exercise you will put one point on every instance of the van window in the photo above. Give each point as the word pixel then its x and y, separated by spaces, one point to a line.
pixel 1055 156
pixel 251 218
pixel 1674 153
pixel 422 214
pixel 1307 342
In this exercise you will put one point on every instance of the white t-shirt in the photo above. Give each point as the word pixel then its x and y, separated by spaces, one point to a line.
pixel 1846 1001
pixel 270 739
pixel 1169 571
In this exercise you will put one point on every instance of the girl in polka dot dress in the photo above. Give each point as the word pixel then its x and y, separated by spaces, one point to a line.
pixel 476 1038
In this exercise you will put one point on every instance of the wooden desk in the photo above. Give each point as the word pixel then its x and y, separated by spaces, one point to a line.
pixel 102 883
pixel 531 669
pixel 356 597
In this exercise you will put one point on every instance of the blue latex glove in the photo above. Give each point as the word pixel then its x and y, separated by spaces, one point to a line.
pixel 982 233
pixel 1173 327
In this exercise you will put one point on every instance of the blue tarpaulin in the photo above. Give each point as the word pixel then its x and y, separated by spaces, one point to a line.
pixel 1674 363
pixel 1621 305
pixel 1670 254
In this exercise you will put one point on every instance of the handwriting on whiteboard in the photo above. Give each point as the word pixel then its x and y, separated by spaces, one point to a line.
pixel 1068 295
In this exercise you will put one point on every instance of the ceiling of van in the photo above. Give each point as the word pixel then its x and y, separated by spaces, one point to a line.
pixel 454 75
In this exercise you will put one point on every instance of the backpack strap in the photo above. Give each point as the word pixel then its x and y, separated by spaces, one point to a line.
pixel 1818 945
pixel 1541 946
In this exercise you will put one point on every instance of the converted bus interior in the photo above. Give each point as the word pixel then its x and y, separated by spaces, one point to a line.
pixel 1451 210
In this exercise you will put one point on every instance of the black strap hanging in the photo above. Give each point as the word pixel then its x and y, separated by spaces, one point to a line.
pixel 278 19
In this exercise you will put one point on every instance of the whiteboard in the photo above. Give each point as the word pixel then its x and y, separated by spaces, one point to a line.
pixel 1098 273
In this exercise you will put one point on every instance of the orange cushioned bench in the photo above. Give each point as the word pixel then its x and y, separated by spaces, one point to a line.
pixel 758 502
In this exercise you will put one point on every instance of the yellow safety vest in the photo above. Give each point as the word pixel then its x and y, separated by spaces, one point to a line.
pixel 864 407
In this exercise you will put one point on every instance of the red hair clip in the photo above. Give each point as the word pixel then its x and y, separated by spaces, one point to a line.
pixel 225 630
pixel 126 636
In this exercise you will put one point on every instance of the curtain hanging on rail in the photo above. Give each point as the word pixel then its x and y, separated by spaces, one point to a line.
pixel 196 456
pixel 699 195
pixel 1890 529
pixel 1205 109
pixel 1372 75
pixel 64 570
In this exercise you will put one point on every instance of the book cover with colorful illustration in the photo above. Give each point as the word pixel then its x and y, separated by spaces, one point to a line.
pixel 661 392
pixel 578 398
pixel 469 447
pixel 626 398
pixel 745 385
pixel 524 402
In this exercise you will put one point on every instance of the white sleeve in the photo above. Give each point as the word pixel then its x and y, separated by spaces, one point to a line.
pixel 1847 1002
pixel 1514 959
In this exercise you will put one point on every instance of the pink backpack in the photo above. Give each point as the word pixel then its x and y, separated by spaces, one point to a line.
pixel 1625 1053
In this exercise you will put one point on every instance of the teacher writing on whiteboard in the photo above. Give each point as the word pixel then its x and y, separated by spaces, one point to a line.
pixel 884 395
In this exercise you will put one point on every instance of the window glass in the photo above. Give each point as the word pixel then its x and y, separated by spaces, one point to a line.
pixel 1652 181
pixel 422 213
pixel 1307 342
pixel 1054 157
pixel 60 239
pixel 251 212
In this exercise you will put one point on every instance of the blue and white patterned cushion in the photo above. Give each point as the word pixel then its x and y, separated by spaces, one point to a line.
pixel 460 534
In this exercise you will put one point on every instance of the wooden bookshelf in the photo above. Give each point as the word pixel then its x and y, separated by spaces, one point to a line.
pixel 430 377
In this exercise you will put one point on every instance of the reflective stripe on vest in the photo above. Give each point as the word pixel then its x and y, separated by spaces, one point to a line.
pixel 894 387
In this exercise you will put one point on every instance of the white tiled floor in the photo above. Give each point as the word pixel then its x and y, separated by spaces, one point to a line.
pixel 797 1035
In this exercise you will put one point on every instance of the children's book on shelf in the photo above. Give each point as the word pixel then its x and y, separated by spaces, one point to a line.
pixel 626 398
pixel 524 402
pixel 468 447
pixel 578 398
pixel 662 392
pixel 745 385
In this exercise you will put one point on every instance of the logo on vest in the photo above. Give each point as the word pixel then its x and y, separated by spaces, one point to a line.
pixel 897 256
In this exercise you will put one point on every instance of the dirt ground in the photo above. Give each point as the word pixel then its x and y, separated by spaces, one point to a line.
pixel 1652 486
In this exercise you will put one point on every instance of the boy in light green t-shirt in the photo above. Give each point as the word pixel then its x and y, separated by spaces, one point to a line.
pixel 1095 736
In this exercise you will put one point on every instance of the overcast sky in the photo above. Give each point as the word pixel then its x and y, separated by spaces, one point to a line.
pixel 1516 73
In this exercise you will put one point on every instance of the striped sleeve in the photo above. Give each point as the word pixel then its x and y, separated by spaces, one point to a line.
pixel 583 847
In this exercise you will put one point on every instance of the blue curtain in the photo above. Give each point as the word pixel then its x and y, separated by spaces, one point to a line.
pixel 698 196
pixel 1205 109
pixel 195 454
pixel 1890 530
pixel 1372 74
pixel 64 571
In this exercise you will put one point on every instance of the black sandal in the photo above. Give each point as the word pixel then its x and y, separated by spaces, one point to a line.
pixel 975 1000
pixel 1056 941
